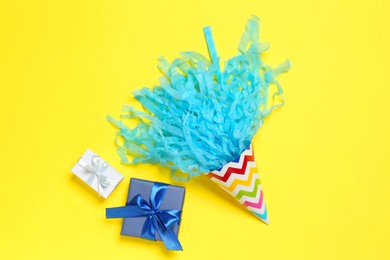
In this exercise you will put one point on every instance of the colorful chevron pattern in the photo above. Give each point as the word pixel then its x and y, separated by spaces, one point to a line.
pixel 240 178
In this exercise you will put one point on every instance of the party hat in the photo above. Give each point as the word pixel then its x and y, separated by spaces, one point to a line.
pixel 240 178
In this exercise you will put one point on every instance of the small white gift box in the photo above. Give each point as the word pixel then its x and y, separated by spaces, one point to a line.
pixel 97 173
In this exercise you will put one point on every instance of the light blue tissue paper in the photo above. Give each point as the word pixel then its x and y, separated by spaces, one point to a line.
pixel 201 117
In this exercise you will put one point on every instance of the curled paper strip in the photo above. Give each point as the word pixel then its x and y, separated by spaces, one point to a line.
pixel 157 220
pixel 201 117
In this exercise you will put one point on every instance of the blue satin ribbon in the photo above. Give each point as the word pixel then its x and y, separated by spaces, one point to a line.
pixel 156 219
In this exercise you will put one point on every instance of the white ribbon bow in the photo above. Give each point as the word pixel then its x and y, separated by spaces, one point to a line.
pixel 96 168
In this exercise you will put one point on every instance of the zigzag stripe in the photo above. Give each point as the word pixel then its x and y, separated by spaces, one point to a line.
pixel 222 171
pixel 233 167
pixel 256 205
pixel 232 170
pixel 263 216
pixel 234 177
pixel 254 199
pixel 251 193
pixel 254 208
pixel 258 211
pixel 249 187
pixel 239 184
pixel 243 195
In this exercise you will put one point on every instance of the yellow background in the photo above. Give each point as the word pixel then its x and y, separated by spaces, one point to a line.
pixel 324 157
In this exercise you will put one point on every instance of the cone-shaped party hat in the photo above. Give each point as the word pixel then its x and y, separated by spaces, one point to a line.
pixel 201 119
pixel 240 178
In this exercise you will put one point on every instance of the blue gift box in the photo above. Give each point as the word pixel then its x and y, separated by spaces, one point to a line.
pixel 164 204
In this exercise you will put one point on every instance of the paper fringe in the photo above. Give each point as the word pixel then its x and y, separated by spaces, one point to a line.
pixel 201 117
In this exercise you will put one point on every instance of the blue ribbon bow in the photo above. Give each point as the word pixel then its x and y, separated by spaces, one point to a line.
pixel 156 219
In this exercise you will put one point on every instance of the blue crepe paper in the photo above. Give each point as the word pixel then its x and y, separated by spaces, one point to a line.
pixel 201 117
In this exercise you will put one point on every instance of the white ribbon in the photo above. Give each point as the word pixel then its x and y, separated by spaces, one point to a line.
pixel 96 168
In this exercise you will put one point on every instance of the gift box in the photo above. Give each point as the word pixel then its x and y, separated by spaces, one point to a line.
pixel 97 173
pixel 153 211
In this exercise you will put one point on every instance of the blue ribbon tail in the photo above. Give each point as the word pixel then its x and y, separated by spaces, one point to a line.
pixel 125 212
pixel 170 240
pixel 148 230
